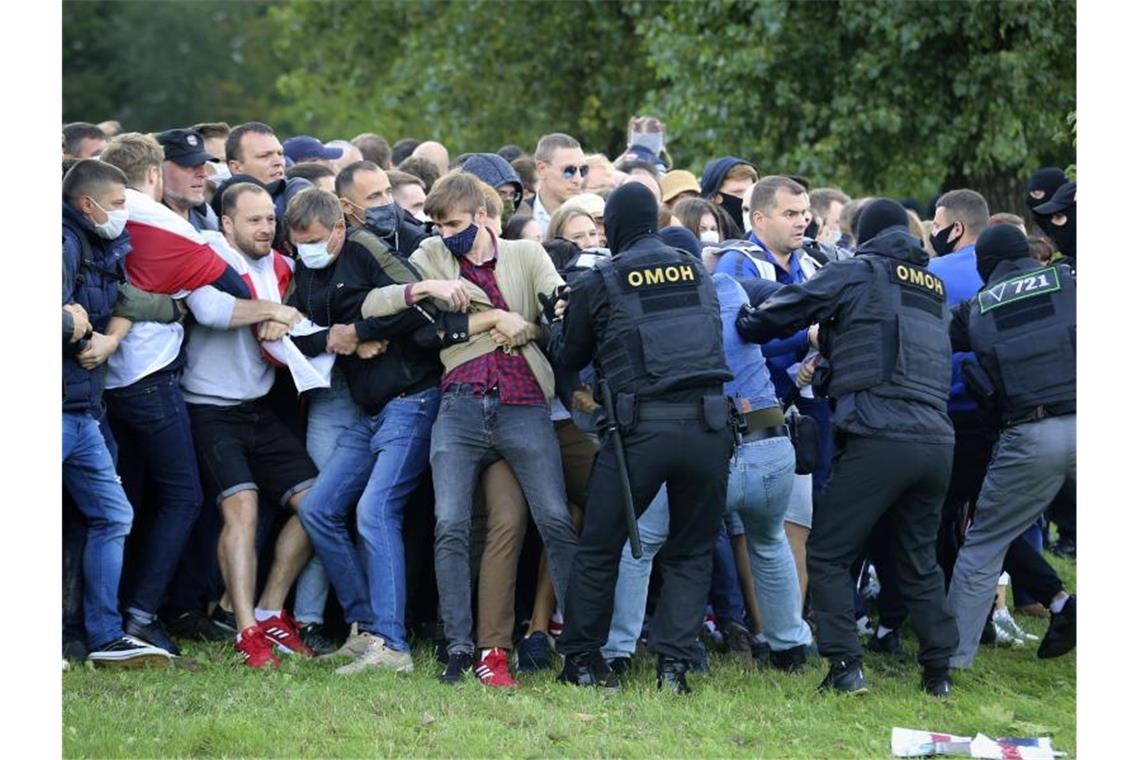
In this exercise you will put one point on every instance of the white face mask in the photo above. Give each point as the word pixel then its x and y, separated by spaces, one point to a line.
pixel 747 222
pixel 710 236
pixel 315 255
pixel 115 224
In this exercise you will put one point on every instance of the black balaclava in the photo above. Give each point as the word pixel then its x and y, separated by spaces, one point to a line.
pixel 996 244
pixel 1048 180
pixel 1064 201
pixel 877 216
pixel 630 214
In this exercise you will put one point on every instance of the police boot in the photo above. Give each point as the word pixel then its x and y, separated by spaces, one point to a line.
pixel 845 677
pixel 671 674
pixel 589 670
pixel 936 681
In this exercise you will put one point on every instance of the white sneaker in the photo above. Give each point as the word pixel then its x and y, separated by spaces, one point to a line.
pixel 378 655
pixel 355 645
pixel 1004 623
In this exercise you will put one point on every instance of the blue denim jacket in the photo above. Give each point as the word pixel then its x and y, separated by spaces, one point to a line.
pixel 746 361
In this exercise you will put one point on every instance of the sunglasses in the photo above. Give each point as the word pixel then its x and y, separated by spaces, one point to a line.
pixel 568 172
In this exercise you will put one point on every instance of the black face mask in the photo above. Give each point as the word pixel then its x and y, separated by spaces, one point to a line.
pixel 941 242
pixel 1065 236
pixel 812 230
pixel 735 208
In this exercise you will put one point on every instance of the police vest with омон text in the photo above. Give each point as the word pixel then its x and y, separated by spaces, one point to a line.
pixel 664 329
pixel 898 341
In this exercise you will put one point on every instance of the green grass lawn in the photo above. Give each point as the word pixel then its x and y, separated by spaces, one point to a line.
pixel 225 709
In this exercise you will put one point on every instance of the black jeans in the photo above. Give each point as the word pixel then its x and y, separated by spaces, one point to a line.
pixel 693 464
pixel 871 477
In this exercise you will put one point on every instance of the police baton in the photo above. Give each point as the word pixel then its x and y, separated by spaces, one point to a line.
pixel 623 471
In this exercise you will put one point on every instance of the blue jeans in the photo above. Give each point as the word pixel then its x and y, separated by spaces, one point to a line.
pixel 724 594
pixel 153 428
pixel 331 412
pixel 377 464
pixel 759 486
pixel 467 429
pixel 89 476
pixel 633 579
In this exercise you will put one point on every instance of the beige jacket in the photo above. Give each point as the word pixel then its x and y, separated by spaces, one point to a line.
pixel 522 271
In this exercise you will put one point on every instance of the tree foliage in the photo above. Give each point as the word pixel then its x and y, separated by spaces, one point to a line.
pixel 474 75
pixel 874 96
pixel 885 96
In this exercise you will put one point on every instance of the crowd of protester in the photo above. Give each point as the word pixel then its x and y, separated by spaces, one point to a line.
pixel 259 338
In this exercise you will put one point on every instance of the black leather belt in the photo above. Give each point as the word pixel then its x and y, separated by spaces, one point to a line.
pixel 764 433
pixel 1041 412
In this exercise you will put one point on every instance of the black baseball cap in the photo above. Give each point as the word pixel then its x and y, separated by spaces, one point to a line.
pixel 1065 196
pixel 184 147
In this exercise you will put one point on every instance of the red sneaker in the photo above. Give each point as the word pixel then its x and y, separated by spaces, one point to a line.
pixel 492 670
pixel 256 651
pixel 282 631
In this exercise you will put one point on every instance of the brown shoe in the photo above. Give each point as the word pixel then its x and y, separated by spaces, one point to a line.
pixel 1036 610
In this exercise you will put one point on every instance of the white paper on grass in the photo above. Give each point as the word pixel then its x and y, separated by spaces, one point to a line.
pixel 908 742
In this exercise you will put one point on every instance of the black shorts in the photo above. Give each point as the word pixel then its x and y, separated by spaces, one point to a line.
pixel 247 448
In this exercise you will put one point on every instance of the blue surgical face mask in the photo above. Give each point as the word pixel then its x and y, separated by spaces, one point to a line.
pixel 461 242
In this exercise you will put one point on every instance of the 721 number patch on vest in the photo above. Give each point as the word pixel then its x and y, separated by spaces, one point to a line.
pixel 1018 289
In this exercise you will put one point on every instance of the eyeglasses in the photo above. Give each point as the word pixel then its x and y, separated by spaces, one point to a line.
pixel 568 172
pixel 510 195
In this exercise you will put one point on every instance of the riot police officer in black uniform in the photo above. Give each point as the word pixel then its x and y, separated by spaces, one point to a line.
pixel 649 320
pixel 1022 326
pixel 883 330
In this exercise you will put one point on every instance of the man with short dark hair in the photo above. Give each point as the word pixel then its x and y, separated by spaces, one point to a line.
pixel 561 168
pixel 318 173
pixel 83 140
pixel 374 148
pixel 409 193
pixel 423 168
pixel 381 453
pixel 242 445
pixel 497 386
pixel 253 150
pixel 94 243
pixel 403 149
pixel 368 201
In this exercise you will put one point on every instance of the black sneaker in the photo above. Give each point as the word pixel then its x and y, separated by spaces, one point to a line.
pixel 316 638
pixel 792 660
pixel 1064 547
pixel 846 677
pixel 700 664
pixel 152 633
pixel 761 652
pixel 441 655
pixel 224 620
pixel 589 670
pixel 620 665
pixel 890 644
pixel 1061 637
pixel 194 625
pixel 737 640
pixel 74 650
pixel 989 633
pixel 671 675
pixel 936 682
pixel 128 652
pixel 457 664
pixel 534 653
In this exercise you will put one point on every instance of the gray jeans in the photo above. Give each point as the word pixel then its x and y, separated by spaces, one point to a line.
pixel 1030 464
pixel 465 430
